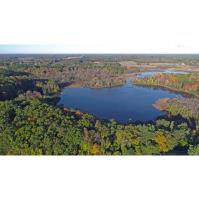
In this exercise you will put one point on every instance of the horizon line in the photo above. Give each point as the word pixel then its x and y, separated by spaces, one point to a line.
pixel 106 53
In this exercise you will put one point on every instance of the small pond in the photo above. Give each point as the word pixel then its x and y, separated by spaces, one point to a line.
pixel 125 103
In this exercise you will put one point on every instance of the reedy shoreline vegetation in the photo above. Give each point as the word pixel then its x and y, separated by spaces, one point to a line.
pixel 32 124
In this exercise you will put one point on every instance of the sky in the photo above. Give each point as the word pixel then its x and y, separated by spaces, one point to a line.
pixel 99 26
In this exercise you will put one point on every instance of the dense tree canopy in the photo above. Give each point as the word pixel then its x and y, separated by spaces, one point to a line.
pixel 188 83
pixel 32 124
pixel 33 127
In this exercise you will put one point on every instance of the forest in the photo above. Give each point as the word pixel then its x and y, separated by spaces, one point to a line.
pixel 76 72
pixel 31 123
pixel 185 107
pixel 33 127
pixel 188 83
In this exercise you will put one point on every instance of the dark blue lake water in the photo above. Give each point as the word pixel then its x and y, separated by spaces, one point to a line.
pixel 124 104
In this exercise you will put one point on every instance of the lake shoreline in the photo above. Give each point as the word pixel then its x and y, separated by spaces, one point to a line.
pixel 167 88
pixel 122 103
pixel 125 77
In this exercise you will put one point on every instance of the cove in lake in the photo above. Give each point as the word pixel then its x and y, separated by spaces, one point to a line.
pixel 124 104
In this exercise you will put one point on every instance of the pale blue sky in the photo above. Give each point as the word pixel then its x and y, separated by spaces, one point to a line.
pixel 30 48
pixel 59 49
pixel 100 26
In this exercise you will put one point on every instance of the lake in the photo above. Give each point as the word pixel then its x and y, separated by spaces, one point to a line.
pixel 125 103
